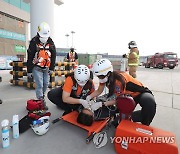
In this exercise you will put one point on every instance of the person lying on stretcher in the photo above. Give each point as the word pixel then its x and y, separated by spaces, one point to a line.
pixel 92 113
pixel 99 110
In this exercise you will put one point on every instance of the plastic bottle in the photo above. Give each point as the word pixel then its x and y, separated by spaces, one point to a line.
pixel 15 124
pixel 5 133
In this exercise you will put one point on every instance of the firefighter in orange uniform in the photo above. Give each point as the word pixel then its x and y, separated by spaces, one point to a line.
pixel 41 60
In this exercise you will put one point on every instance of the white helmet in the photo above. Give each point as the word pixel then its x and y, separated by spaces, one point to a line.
pixel 44 30
pixel 102 67
pixel 82 74
pixel 132 44
pixel 43 127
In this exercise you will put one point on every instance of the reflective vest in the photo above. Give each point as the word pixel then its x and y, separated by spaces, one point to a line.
pixel 132 86
pixel 72 56
pixel 42 56
pixel 85 91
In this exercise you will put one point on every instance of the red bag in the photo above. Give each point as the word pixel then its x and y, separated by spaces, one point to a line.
pixel 126 105
pixel 134 138
pixel 33 105
pixel 38 114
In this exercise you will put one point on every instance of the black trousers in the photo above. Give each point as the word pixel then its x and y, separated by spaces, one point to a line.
pixel 55 96
pixel 148 111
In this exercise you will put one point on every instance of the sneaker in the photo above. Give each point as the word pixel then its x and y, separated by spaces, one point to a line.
pixel 44 104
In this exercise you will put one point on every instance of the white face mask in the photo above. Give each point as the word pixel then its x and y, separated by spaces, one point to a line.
pixel 43 39
pixel 82 84
pixel 103 80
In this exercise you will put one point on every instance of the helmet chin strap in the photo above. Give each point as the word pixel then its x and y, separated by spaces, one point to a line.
pixel 103 80
pixel 82 85
pixel 43 40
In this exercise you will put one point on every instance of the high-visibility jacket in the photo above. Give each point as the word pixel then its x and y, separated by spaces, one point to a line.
pixel 133 57
pixel 42 56
pixel 72 56
pixel 33 54
pixel 76 91
pixel 132 86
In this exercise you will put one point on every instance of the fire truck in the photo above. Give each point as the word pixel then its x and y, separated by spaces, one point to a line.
pixel 161 60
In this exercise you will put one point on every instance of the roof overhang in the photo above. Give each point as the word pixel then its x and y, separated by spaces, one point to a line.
pixel 57 2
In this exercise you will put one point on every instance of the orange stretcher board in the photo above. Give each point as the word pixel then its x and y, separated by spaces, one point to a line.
pixel 96 127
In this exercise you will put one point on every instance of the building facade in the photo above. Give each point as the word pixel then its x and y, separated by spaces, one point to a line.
pixel 14 20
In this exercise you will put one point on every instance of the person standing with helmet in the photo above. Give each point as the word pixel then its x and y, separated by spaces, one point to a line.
pixel 72 56
pixel 73 93
pixel 121 83
pixel 133 58
pixel 41 60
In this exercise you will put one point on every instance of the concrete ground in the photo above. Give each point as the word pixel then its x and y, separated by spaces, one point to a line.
pixel 63 137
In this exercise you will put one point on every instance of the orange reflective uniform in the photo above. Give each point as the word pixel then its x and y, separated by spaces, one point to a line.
pixel 69 86
pixel 43 56
pixel 132 86
pixel 72 56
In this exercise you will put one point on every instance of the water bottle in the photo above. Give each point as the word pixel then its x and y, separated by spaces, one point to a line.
pixel 5 133
pixel 15 125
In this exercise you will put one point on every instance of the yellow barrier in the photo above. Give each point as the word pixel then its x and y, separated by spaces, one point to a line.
pixel 18 72
pixel 22 64
pixel 18 64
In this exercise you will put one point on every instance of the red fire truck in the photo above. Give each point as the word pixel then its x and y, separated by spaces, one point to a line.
pixel 161 60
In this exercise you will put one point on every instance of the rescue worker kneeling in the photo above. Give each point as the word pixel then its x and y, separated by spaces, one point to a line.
pixel 121 83
pixel 73 93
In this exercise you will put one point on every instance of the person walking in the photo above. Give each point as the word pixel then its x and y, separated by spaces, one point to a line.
pixel 133 58
pixel 41 60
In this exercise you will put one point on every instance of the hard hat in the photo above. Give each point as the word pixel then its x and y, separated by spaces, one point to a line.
pixel 102 67
pixel 132 44
pixel 43 127
pixel 82 74
pixel 44 30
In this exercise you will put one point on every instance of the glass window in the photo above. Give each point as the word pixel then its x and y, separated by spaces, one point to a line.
pixel 170 56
